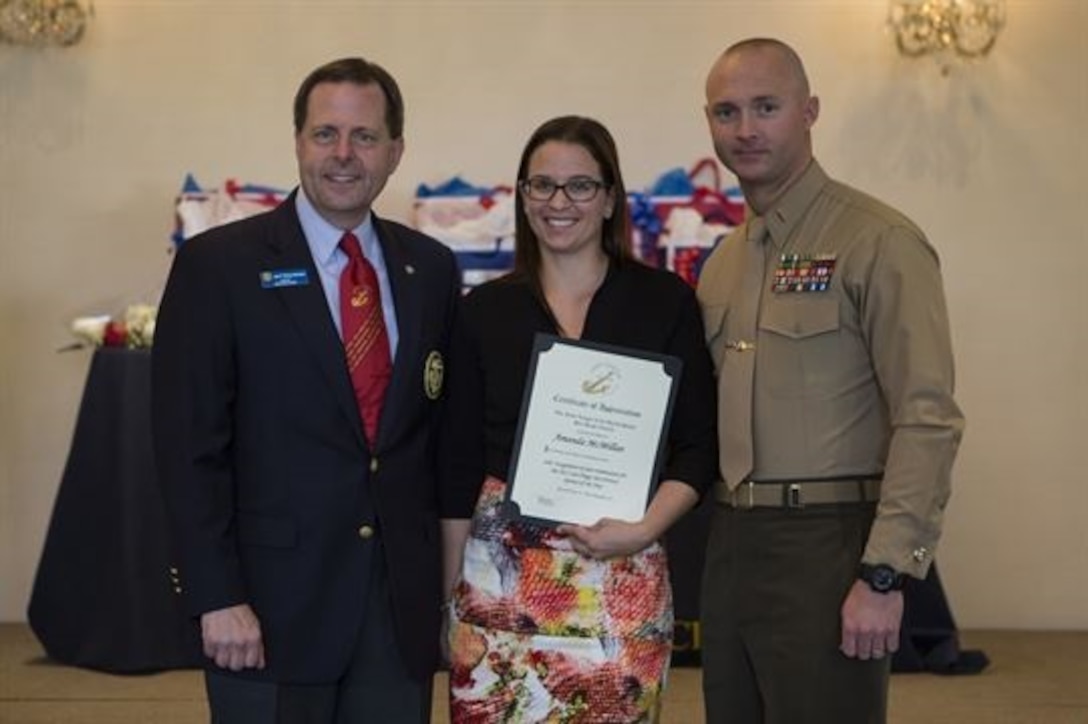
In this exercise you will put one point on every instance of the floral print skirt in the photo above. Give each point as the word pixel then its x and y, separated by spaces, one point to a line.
pixel 540 633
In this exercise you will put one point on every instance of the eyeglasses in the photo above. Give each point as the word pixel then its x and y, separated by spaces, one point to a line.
pixel 577 188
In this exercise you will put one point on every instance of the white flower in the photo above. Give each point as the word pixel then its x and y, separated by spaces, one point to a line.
pixel 140 324
pixel 135 328
pixel 90 329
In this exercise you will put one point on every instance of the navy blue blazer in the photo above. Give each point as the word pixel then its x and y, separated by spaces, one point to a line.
pixel 268 477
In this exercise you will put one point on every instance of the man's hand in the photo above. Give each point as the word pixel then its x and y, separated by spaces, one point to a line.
pixel 870 622
pixel 232 638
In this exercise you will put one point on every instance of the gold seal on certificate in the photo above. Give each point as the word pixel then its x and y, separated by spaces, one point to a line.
pixel 592 431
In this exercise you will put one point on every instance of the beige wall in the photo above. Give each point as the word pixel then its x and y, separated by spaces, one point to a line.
pixel 97 138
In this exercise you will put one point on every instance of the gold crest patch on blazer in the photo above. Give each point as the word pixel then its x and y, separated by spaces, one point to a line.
pixel 434 370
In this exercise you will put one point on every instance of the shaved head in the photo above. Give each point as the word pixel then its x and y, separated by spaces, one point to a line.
pixel 787 57
pixel 759 110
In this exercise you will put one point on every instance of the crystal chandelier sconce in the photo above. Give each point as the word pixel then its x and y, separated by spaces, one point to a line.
pixel 946 29
pixel 42 22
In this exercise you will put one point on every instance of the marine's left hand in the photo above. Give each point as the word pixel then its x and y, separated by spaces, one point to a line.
pixel 607 538
pixel 870 622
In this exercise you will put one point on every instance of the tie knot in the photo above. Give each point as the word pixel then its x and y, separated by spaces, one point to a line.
pixel 349 244
pixel 757 230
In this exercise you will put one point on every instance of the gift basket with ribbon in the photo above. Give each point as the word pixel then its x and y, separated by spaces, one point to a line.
pixel 682 217
pixel 675 223
pixel 196 209
pixel 199 209
pixel 476 222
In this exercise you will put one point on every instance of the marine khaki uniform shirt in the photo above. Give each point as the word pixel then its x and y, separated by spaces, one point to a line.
pixel 853 367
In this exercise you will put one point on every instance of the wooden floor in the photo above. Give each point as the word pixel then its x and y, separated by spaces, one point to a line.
pixel 1033 678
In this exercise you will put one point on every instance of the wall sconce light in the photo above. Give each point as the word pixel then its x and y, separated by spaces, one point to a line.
pixel 43 22
pixel 946 29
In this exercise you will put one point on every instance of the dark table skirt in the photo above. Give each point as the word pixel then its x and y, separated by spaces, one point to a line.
pixel 103 596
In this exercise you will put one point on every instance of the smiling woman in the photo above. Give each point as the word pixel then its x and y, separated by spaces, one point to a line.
pixel 96 137
pixel 567 224
pixel 571 623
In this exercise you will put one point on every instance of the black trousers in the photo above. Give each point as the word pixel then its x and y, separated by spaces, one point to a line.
pixel 376 688
pixel 773 588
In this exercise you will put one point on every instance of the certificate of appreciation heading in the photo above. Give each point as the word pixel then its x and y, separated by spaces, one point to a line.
pixel 592 431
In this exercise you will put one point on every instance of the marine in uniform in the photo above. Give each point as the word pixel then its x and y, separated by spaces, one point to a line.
pixel 826 320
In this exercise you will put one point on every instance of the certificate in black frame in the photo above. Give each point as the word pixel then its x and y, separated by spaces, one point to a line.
pixel 602 372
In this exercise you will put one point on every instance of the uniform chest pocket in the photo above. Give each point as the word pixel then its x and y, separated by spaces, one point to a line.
pixel 800 318
pixel 801 350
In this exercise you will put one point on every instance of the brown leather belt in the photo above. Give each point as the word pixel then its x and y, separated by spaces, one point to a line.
pixel 798 493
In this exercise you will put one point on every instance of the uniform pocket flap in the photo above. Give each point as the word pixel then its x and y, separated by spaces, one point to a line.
pixel 801 318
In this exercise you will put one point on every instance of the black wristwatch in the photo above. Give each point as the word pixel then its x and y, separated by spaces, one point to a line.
pixel 881 578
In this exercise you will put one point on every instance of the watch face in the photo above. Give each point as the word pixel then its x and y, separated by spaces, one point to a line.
pixel 881 578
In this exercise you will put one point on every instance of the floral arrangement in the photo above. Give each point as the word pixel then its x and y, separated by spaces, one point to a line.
pixel 197 210
pixel 134 329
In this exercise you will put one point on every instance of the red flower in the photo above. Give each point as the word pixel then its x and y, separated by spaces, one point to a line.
pixel 645 659
pixel 543 591
pixel 489 710
pixel 633 594
pixel 115 334
pixel 590 692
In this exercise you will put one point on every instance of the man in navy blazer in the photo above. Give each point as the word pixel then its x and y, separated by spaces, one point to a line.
pixel 309 553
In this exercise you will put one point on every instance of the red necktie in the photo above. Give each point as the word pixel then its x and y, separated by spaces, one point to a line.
pixel 366 343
